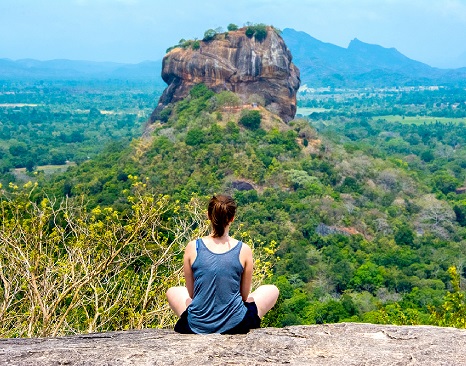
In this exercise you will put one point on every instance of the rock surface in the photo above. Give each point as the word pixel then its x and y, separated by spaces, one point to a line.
pixel 242 185
pixel 334 344
pixel 237 63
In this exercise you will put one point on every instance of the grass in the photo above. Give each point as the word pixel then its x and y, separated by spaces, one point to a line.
pixel 23 176
pixel 50 169
pixel 418 120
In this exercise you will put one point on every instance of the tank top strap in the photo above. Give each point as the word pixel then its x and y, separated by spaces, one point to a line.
pixel 238 246
pixel 199 244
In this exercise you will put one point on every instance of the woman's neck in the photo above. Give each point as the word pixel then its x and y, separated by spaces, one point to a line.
pixel 221 239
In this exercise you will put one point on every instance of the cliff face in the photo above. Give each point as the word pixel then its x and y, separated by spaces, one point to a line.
pixel 237 63
pixel 333 344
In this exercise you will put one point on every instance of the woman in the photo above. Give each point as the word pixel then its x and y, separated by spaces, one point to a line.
pixel 218 272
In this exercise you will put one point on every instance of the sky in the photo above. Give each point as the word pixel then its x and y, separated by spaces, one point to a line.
pixel 132 31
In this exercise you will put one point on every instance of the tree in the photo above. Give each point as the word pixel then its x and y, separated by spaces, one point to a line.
pixel 460 212
pixel 209 35
pixel 232 27
pixel 196 45
pixel 201 91
pixel 368 277
pixel 436 215
pixel 195 136
pixel 250 119
pixel 249 31
pixel 30 165
pixel 452 313
pixel 228 100
pixel 404 235
pixel 445 182
pixel 18 149
pixel 260 32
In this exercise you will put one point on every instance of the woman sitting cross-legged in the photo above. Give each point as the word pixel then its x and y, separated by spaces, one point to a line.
pixel 218 272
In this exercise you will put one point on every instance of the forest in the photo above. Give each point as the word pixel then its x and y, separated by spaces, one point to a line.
pixel 357 210
pixel 47 123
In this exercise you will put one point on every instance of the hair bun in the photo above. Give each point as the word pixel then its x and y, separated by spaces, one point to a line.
pixel 221 211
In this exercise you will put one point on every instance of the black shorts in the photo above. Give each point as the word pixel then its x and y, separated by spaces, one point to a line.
pixel 250 321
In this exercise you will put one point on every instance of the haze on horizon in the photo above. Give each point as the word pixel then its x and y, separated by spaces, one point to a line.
pixel 131 31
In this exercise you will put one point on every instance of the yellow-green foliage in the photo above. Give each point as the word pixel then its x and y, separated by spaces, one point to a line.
pixel 452 313
pixel 264 257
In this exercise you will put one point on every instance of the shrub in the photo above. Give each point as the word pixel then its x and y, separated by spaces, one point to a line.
pixel 209 35
pixel 452 313
pixel 196 45
pixel 195 137
pixel 232 27
pixel 96 270
pixel 165 114
pixel 249 31
pixel 250 119
pixel 200 90
pixel 260 32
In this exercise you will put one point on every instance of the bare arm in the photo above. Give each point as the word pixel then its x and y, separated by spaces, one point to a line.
pixel 246 279
pixel 188 259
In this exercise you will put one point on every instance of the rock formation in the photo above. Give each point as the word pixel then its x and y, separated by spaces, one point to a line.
pixel 232 61
pixel 332 344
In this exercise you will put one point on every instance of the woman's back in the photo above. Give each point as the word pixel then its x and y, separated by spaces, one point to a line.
pixel 217 304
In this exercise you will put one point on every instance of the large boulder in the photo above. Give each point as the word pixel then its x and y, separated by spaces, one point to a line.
pixel 332 344
pixel 232 61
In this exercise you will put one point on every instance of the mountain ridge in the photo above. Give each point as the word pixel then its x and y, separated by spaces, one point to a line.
pixel 64 69
pixel 325 64
pixel 321 64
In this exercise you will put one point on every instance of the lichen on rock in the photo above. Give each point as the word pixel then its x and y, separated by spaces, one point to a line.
pixel 233 61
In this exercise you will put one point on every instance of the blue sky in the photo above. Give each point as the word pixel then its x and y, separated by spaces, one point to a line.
pixel 431 31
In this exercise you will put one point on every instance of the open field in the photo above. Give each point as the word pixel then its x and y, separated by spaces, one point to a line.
pixel 17 105
pixel 305 111
pixel 417 120
pixel 20 173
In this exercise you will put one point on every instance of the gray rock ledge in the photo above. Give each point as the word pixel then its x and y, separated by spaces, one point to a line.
pixel 332 344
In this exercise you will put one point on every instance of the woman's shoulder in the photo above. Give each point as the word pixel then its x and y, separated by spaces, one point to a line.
pixel 191 246
pixel 245 247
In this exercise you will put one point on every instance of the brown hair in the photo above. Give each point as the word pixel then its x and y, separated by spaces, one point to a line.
pixel 221 211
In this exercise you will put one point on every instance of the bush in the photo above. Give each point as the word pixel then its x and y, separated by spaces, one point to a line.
pixel 90 281
pixel 165 114
pixel 195 137
pixel 196 45
pixel 249 31
pixel 452 313
pixel 209 35
pixel 200 91
pixel 232 27
pixel 250 119
pixel 259 31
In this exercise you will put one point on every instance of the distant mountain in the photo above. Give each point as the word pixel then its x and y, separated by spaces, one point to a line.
pixel 461 60
pixel 321 65
pixel 361 64
pixel 79 70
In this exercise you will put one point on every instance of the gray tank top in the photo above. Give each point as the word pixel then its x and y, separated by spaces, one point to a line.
pixel 217 304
